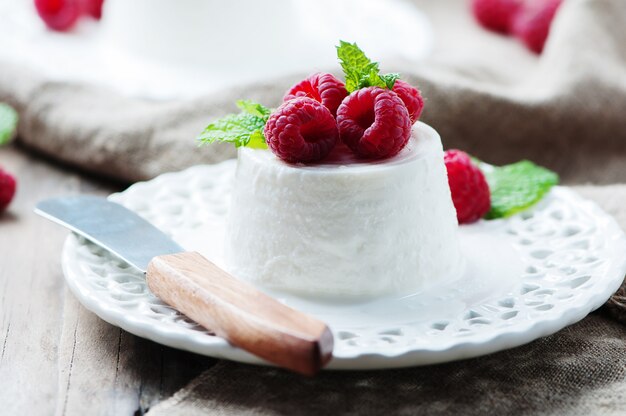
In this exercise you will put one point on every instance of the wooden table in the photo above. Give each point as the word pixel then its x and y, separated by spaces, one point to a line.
pixel 57 357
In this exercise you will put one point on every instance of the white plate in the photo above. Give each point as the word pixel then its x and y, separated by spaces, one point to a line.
pixel 528 276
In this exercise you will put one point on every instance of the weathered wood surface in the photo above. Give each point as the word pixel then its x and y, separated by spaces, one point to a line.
pixel 57 358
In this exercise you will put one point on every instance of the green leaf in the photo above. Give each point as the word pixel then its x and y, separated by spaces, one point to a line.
pixel 257 140
pixel 254 109
pixel 8 123
pixel 355 64
pixel 359 70
pixel 390 79
pixel 243 129
pixel 371 79
pixel 516 187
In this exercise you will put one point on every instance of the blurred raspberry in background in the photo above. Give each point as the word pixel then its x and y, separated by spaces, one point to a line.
pixel 8 128
pixel 62 15
pixel 7 189
pixel 528 20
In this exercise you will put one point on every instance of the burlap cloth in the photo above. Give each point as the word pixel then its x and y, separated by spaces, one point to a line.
pixel 485 94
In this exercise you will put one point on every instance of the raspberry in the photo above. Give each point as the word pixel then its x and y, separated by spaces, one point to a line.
pixel 374 123
pixel 324 88
pixel 411 97
pixel 468 186
pixel 60 15
pixel 496 15
pixel 301 130
pixel 533 23
pixel 7 189
pixel 92 8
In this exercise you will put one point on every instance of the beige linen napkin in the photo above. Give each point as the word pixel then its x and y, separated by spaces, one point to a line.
pixel 579 371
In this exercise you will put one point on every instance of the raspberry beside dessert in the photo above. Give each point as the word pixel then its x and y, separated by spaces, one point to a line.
pixel 93 8
pixel 324 88
pixel 411 97
pixel 62 15
pixel 7 189
pixel 496 15
pixel 528 20
pixel 469 188
pixel 301 130
pixel 532 25
pixel 58 15
pixel 374 123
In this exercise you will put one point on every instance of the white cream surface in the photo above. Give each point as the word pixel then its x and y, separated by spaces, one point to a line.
pixel 348 230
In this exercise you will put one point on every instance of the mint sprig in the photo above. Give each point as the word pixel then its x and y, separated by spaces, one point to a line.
pixel 255 109
pixel 360 71
pixel 246 128
pixel 8 123
pixel 243 129
pixel 516 187
pixel 390 79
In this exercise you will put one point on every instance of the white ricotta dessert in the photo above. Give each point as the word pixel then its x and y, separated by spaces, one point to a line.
pixel 345 227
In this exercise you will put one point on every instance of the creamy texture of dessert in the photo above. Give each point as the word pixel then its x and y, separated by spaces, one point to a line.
pixel 339 229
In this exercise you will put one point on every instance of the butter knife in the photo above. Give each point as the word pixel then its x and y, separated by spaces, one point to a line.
pixel 231 308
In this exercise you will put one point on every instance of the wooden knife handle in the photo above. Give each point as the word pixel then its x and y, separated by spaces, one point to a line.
pixel 238 312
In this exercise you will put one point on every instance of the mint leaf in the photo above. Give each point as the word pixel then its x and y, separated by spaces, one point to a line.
pixel 356 66
pixel 390 79
pixel 8 123
pixel 371 79
pixel 255 109
pixel 243 129
pixel 516 187
pixel 257 140
pixel 359 70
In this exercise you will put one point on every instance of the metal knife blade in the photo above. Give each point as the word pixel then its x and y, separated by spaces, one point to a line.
pixel 111 226
pixel 188 282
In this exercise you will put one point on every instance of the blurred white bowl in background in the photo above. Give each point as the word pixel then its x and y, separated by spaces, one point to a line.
pixel 164 49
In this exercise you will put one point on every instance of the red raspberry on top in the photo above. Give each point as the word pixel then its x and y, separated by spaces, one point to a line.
pixel 374 123
pixel 468 186
pixel 411 97
pixel 301 130
pixel 324 88
pixel 496 15
pixel 60 15
pixel 532 25
pixel 7 189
